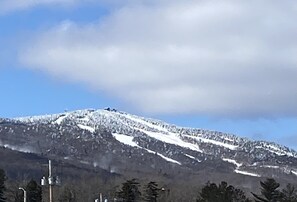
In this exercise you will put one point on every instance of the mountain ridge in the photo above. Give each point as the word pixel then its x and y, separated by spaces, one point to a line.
pixel 125 138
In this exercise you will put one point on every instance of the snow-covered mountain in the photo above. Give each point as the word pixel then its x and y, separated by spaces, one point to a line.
pixel 119 141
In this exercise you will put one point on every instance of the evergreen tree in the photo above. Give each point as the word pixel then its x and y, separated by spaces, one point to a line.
pixel 130 191
pixel 2 185
pixel 34 192
pixel 239 196
pixel 67 195
pixel 289 194
pixel 209 193
pixel 19 196
pixel 151 192
pixel 269 191
pixel 223 193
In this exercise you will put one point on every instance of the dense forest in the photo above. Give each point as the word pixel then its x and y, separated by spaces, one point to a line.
pixel 137 190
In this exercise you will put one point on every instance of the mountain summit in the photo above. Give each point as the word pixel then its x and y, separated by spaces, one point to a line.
pixel 125 143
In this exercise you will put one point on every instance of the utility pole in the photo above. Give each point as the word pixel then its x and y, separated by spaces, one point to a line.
pixel 50 181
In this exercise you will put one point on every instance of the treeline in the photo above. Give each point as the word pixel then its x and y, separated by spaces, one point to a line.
pixel 269 192
pixel 134 191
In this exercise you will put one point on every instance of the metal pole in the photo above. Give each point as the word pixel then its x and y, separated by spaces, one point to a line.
pixel 25 193
pixel 50 181
pixel 101 198
pixel 25 196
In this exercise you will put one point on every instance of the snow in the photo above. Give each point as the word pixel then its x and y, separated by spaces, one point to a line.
pixel 128 140
pixel 191 157
pixel 169 159
pixel 92 130
pixel 148 124
pixel 85 119
pixel 164 157
pixel 269 166
pixel 17 148
pixel 294 172
pixel 163 134
pixel 232 161
pixel 238 165
pixel 229 146
pixel 60 119
pixel 228 139
pixel 44 118
pixel 171 138
pixel 246 173
pixel 278 150
pixel 125 139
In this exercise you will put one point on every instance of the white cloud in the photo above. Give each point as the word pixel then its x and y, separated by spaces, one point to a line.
pixel 219 58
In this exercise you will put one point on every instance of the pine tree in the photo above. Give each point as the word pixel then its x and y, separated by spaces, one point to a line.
pixel 67 195
pixel 34 192
pixel 18 196
pixel 130 191
pixel 269 191
pixel 2 185
pixel 289 194
pixel 151 192
pixel 223 193
pixel 209 193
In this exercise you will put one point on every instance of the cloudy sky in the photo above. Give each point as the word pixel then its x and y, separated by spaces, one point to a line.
pixel 222 65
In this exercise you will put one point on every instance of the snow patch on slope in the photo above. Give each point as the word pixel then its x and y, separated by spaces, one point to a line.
pixel 247 173
pixel 128 140
pixel 148 124
pixel 270 166
pixel 238 165
pixel 228 146
pixel 89 128
pixel 192 157
pixel 171 138
pixel 125 139
pixel 20 149
pixel 164 157
pixel 276 150
pixel 232 161
pixel 294 172
pixel 60 119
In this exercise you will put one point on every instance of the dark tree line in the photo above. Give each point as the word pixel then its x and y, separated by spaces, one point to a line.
pixel 132 191
pixel 212 192
pixel 222 192
pixel 2 185
pixel 270 192
pixel 34 193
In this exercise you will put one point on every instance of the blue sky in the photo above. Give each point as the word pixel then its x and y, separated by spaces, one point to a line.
pixel 227 66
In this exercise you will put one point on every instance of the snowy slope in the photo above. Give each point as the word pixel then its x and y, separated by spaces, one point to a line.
pixel 168 141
